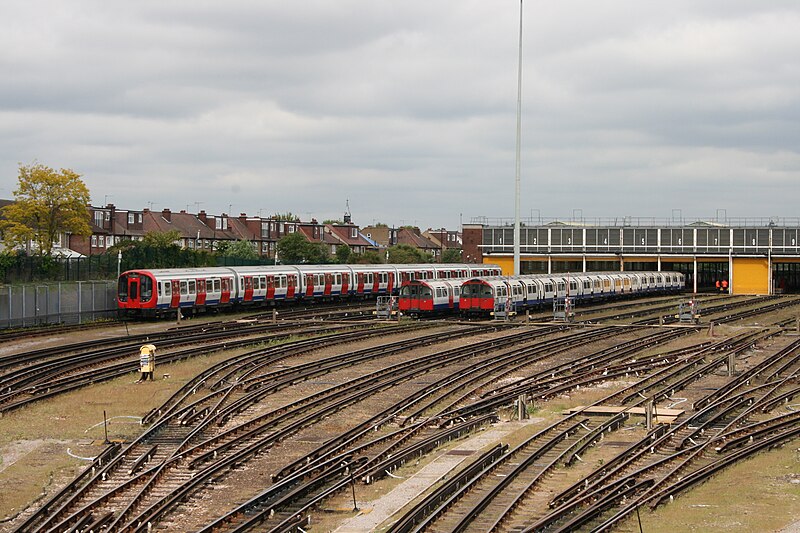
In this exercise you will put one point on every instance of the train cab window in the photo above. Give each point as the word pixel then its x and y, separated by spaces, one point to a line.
pixel 158 285
pixel 184 288
pixel 425 292
pixel 146 289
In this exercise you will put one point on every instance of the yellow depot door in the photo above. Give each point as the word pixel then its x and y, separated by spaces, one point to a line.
pixel 750 276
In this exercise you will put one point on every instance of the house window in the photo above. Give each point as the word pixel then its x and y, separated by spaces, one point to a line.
pixel 94 240
pixel 131 218
pixel 218 223
pixel 290 228
pixel 353 233
pixel 98 218
pixel 101 241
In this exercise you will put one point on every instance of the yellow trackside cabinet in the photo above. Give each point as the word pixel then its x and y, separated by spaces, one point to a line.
pixel 750 275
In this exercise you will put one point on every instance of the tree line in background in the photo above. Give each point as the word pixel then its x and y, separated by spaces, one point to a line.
pixel 48 203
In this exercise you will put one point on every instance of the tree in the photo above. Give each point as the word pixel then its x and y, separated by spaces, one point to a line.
pixel 370 257
pixel 287 216
pixel 343 254
pixel 451 255
pixel 294 249
pixel 403 253
pixel 159 249
pixel 162 239
pixel 291 248
pixel 241 249
pixel 317 253
pixel 46 203
pixel 333 222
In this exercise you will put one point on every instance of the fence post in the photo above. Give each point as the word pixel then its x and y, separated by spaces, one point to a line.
pixel 80 303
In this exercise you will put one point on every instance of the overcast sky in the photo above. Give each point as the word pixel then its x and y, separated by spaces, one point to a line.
pixel 408 108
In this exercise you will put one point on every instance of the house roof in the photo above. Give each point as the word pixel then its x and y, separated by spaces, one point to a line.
pixel 413 238
pixel 343 232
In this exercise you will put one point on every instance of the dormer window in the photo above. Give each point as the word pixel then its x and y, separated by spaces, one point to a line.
pixel 353 233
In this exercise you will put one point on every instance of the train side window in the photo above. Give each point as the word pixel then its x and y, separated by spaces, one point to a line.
pixel 192 286
pixel 209 285
pixel 184 288
pixel 159 289
pixel 167 288
pixel 216 285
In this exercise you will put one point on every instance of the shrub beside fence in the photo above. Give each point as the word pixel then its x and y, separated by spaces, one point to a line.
pixel 57 303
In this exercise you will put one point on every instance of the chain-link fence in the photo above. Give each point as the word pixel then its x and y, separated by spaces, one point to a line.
pixel 57 303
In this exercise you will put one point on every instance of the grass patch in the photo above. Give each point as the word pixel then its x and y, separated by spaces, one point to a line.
pixel 761 494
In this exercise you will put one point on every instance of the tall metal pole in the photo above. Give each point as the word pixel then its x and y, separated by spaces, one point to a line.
pixel 519 142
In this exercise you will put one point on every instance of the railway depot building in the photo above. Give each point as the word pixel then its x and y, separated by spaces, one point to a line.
pixel 755 256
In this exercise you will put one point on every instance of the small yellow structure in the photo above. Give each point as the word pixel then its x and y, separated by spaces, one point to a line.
pixel 147 361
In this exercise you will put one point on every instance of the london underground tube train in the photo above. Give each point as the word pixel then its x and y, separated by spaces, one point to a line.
pixel 480 295
pixel 161 292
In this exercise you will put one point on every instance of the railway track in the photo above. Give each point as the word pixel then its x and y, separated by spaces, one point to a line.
pixel 236 413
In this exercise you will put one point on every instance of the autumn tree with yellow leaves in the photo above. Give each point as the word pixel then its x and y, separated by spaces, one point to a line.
pixel 46 203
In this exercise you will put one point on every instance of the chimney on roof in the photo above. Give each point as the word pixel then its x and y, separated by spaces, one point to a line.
pixel 167 214
pixel 202 217
pixel 243 217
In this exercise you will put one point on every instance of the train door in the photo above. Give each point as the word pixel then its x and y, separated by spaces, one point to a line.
pixel 328 284
pixel 133 291
pixel 345 282
pixel 270 287
pixel 360 283
pixel 376 281
pixel 225 291
pixel 450 300
pixel 310 285
pixel 176 294
pixel 248 288
pixel 201 292
pixel 291 285
pixel 390 286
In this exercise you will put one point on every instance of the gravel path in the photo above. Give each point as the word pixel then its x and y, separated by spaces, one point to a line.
pixel 373 513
